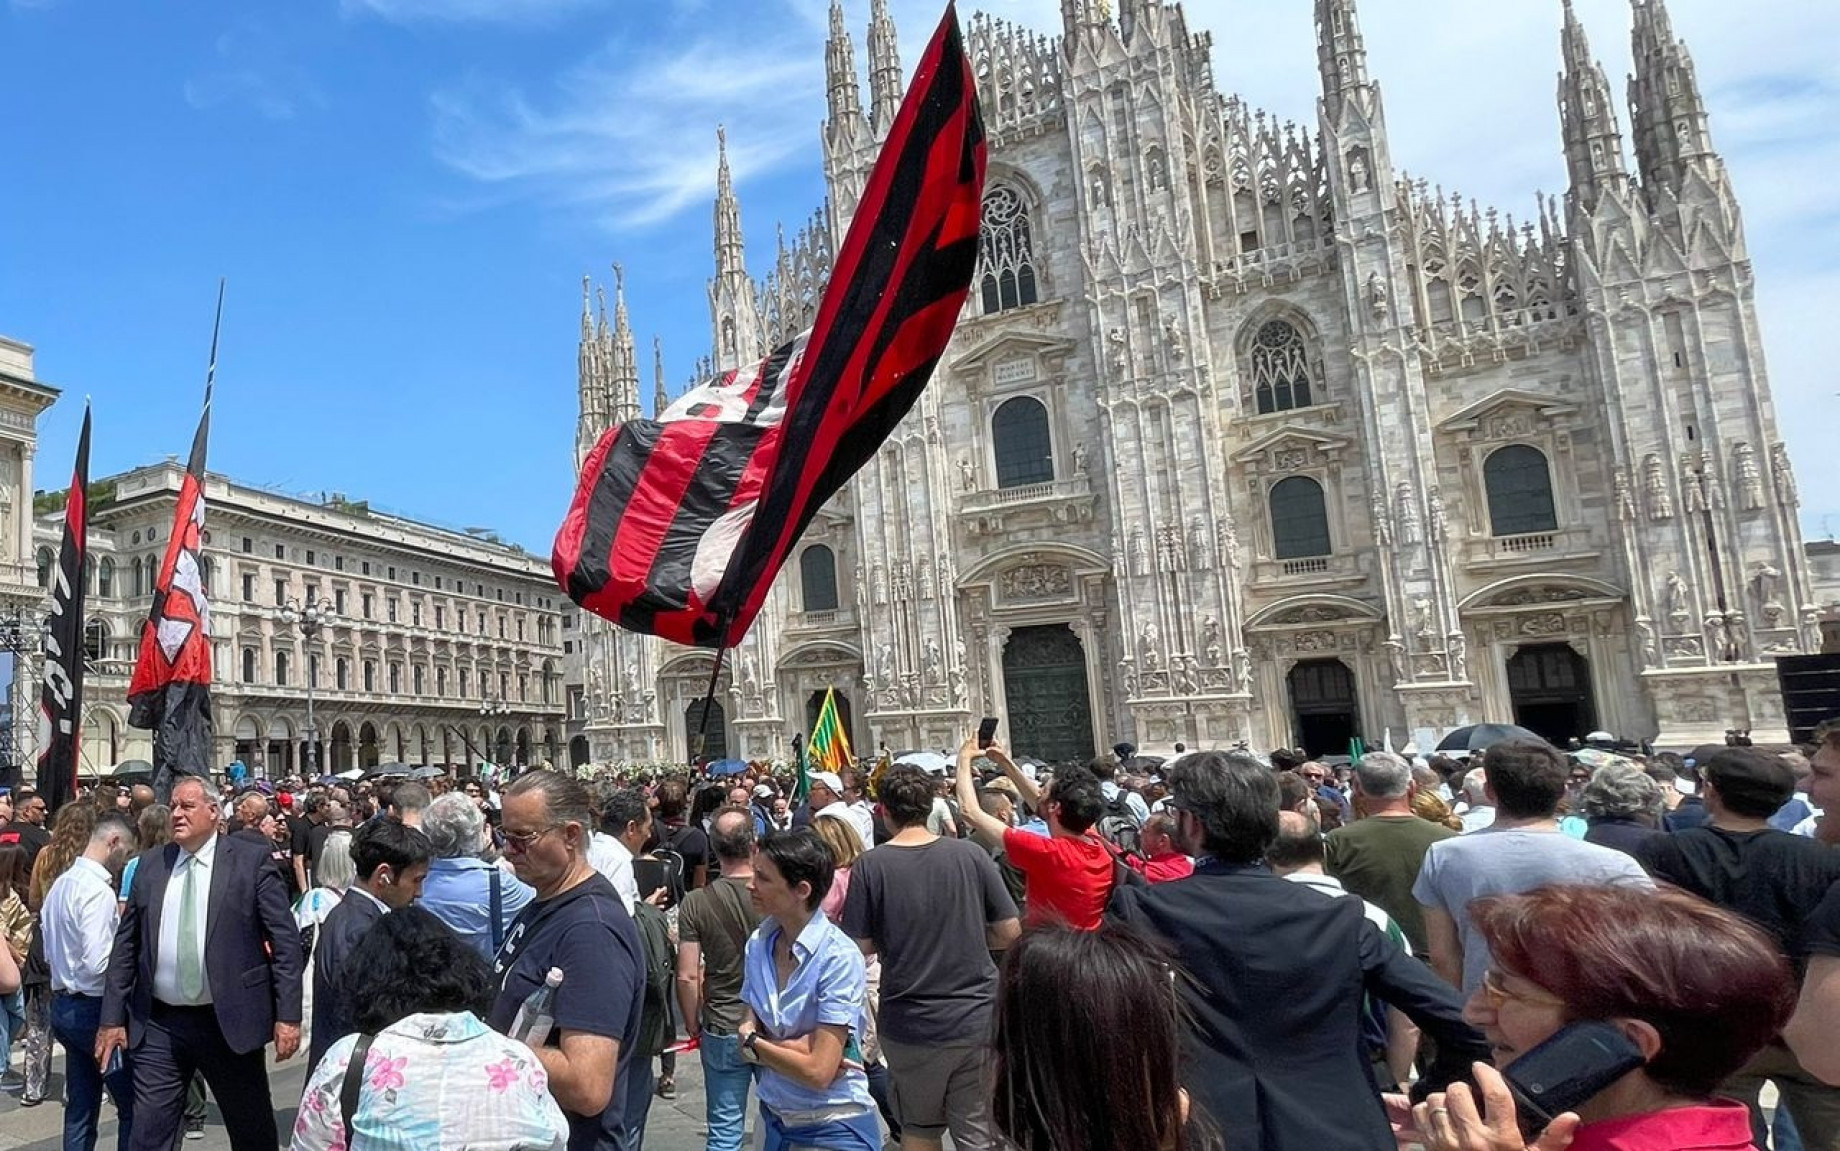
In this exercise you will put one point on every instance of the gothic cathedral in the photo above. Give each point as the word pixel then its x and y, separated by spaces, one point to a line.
pixel 1246 436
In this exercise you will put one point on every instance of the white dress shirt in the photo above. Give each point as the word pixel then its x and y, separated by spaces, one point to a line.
pixel 79 919
pixel 609 856
pixel 860 818
pixel 166 958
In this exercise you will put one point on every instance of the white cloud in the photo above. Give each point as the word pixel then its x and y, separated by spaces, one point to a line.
pixel 531 12
pixel 254 70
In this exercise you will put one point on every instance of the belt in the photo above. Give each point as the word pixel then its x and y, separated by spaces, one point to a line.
pixel 56 994
pixel 161 1007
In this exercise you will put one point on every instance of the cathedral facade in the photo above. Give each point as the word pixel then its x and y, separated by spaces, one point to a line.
pixel 1246 436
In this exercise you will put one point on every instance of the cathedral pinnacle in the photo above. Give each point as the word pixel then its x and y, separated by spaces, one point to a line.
pixel 1587 117
pixel 884 66
pixel 623 382
pixel 661 398
pixel 845 97
pixel 1341 52
pixel 730 256
pixel 1667 115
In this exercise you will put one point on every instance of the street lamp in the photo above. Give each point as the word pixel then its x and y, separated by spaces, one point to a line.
pixel 310 618
pixel 491 706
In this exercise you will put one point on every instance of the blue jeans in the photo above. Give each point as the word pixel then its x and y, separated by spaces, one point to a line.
pixel 726 1079
pixel 12 1025
pixel 75 1020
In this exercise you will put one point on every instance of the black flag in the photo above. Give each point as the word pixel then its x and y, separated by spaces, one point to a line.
pixel 60 700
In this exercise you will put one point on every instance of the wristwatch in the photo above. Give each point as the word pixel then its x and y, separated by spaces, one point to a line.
pixel 747 1047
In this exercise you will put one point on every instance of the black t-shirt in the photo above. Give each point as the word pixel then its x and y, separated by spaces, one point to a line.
pixel 588 934
pixel 1773 878
pixel 1821 933
pixel 687 841
pixel 29 836
pixel 299 830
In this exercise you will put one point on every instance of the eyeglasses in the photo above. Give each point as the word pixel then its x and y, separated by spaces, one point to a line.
pixel 527 840
pixel 1496 992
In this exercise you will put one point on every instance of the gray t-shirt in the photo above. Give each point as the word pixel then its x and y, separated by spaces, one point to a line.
pixel 926 909
pixel 1497 861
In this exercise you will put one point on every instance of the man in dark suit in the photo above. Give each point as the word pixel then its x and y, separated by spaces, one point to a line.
pixel 1278 973
pixel 206 969
pixel 391 861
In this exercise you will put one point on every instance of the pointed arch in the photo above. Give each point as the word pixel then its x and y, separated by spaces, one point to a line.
pixel 1280 357
pixel 1006 271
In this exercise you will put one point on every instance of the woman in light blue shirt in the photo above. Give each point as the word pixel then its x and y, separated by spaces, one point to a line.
pixel 804 986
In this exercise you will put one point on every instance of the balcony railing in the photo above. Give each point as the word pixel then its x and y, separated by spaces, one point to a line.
pixel 1530 542
pixel 1074 487
pixel 1316 565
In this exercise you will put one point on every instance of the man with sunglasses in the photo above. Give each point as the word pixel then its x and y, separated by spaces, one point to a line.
pixel 1268 1048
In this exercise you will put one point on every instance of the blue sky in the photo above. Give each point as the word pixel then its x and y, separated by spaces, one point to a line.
pixel 404 195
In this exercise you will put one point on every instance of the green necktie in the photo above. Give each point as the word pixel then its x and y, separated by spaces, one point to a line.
pixel 191 954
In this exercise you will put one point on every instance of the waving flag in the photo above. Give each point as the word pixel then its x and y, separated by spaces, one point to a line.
pixel 60 699
pixel 170 692
pixel 829 746
pixel 680 523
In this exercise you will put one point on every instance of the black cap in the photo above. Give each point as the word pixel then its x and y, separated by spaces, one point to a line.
pixel 1750 782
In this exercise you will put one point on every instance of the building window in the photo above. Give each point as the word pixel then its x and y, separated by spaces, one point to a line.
pixel 341 673
pixel 415 614
pixel 249 545
pixel 280 551
pixel 370 675
pixel 364 567
pixel 520 629
pixel 419 677
pixel 95 641
pixel 466 682
pixel 440 617
pixel 504 685
pixel 415 578
pixel 1520 491
pixel 137 577
pixel 818 578
pixel 312 669
pixel 338 601
pixel 366 603
pixel 501 627
pixel 312 557
pixel 45 560
pixel 312 593
pixel 1006 252
pixel 391 606
pixel 392 571
pixel 281 669
pixel 440 681
pixel 338 563
pixel 1299 519
pixel 280 593
pixel 249 665
pixel 249 587
pixel 1023 448
pixel 482 623
pixel 1280 368
pixel 105 578
pixel 395 679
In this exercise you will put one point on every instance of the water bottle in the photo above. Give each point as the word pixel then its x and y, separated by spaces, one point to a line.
pixel 536 1018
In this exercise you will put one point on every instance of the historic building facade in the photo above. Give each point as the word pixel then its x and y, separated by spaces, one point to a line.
pixel 1246 435
pixel 441 647
pixel 22 400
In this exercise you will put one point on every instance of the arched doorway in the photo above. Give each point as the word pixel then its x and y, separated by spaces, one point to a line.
pixel 367 746
pixel 1044 681
pixel 1323 703
pixel 1549 685
pixel 845 715
pixel 501 753
pixel 341 746
pixel 715 737
pixel 523 747
pixel 578 751
pixel 250 745
pixel 281 744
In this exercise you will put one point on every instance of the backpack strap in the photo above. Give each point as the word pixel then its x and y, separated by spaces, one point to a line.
pixel 498 909
pixel 353 1085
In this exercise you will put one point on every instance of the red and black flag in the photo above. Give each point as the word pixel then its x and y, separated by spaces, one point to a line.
pixel 170 693
pixel 680 523
pixel 60 699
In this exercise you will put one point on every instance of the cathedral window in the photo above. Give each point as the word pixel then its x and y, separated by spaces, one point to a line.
pixel 1281 370
pixel 818 578
pixel 1299 519
pixel 1519 485
pixel 1023 448
pixel 1470 285
pixel 1006 252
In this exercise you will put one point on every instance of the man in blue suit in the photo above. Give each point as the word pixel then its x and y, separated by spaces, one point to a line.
pixel 205 971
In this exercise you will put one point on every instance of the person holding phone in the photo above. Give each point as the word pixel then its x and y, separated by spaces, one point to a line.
pixel 1694 989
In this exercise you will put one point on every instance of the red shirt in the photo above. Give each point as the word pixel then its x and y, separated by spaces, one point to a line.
pixel 1069 879
pixel 1722 1125
pixel 1163 868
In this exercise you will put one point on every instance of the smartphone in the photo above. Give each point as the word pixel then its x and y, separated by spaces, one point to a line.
pixel 1569 1068
pixel 987 731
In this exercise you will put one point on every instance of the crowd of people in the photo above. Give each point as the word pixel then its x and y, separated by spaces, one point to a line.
pixel 1222 949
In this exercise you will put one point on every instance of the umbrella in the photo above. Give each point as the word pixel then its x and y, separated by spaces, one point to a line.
pixel 1479 736
pixel 385 769
pixel 924 760
pixel 129 767
pixel 427 771
pixel 724 767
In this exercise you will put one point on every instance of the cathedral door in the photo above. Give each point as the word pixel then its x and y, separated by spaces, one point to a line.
pixel 714 737
pixel 1323 701
pixel 1044 679
pixel 578 751
pixel 1550 686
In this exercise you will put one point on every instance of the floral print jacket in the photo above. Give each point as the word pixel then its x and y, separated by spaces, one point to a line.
pixel 434 1081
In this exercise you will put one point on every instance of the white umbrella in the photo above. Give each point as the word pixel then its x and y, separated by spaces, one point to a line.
pixel 931 761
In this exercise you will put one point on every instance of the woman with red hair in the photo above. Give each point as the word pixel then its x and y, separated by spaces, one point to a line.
pixel 1695 988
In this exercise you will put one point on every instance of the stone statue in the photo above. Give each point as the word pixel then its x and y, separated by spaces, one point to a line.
pixel 1749 477
pixel 1226 539
pixel 1146 646
pixel 1378 301
pixel 967 475
pixel 923 577
pixel 959 691
pixel 1079 458
pixel 878 579
pixel 1210 641
pixel 1198 556
pixel 885 659
pixel 1421 617
pixel 929 660
pixel 1458 649
pixel 1439 528
pixel 1172 339
pixel 1625 501
pixel 1651 650
pixel 1116 354
pixel 1359 178
pixel 1676 597
pixel 1715 484
pixel 1184 679
pixel 860 586
pixel 1383 523
pixel 1140 558
pixel 1242 671
pixel 1765 578
pixel 1784 476
pixel 1396 655
pixel 1692 488
pixel 1409 527
pixel 1654 490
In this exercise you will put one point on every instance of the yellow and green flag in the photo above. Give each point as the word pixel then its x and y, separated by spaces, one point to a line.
pixel 829 746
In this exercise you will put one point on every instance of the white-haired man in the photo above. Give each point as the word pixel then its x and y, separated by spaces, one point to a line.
pixel 475 898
